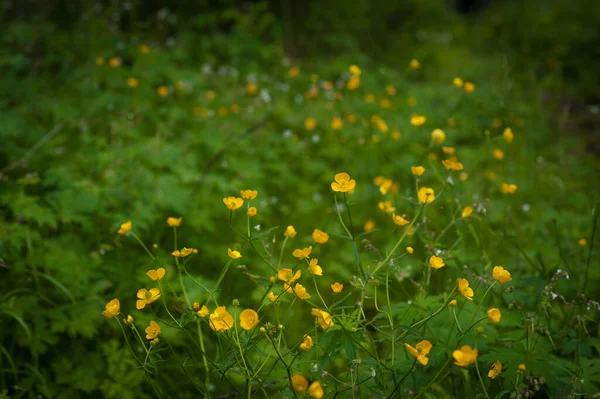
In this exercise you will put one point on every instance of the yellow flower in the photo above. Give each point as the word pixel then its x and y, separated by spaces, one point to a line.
pixel 153 330
pixel 386 206
pixel 426 195
pixel 272 297
pixel 144 49
pixel 457 82
pixel 494 315
pixel 174 222
pixel 252 211
pixel 501 274
pixel 354 70
pixel 370 98
pixel 417 120
pixel 303 253
pixel 315 390
pixel 498 154
pixel 233 203
pixel 464 289
pixel 129 320
pixel 495 370
pixel 467 211
pixel 235 108
pixel 251 88
pixel 220 319
pixel 156 274
pixel 352 118
pixel 323 318
pixel 410 250
pixel 183 253
pixel 210 95
pixel 203 312
pixel 337 287
pixel 248 319
pixel 417 170
pixel 436 262
pixel 306 342
pixel 438 136
pixel 508 188
pixel 233 254
pixel 294 71
pixel 196 306
pixel 452 303
pixel 420 352
pixel 132 82
pixel 582 242
pixel 288 275
pixel 290 232
pixel 469 87
pixel 465 356
pixel 299 383
pixel 508 135
pixel 399 220
pixel 337 123
pixel 162 91
pixel 449 150
pixel 146 297
pixel 113 308
pixel 314 268
pixel 343 183
pixel 463 176
pixel 369 225
pixel 300 291
pixel 415 64
pixel 310 123
pixel 125 228
pixel 522 367
pixel 353 83
pixel 395 135
pixel 391 90
pixel 451 164
pixel 114 62
pixel 248 194
pixel 320 236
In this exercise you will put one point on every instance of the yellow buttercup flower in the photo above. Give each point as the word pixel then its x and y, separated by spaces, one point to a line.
pixel 452 164
pixel 508 188
pixel 272 297
pixel 196 306
pixel 464 289
pixel 315 390
pixel 153 330
pixel 467 211
pixel 495 370
pixel 203 312
pixel 249 194
pixel 299 383
pixel 426 195
pixel 522 367
pixel 233 254
pixel 252 211
pixel 114 62
pixel 303 253
pixel 369 225
pixel 436 262
pixel 415 64
pixel 498 154
pixel 354 70
pixel 411 101
pixel 220 319
pixel 306 342
pixel 248 319
pixel 337 123
pixel 582 242
pixel 290 232
pixel 469 87
pixel 323 318
pixel 417 170
pixel 233 203
pixel 417 120
pixel 343 183
pixel 399 220
pixel 288 275
pixel 391 90
pixel 494 315
pixel 146 297
pixel 293 71
pixel 156 274
pixel 300 291
pixel 457 82
pixel 320 236
pixel 370 98
pixel 132 82
pixel 112 308
pixel 314 268
pixel 449 150
pixel 310 123
pixel 174 222
pixel 452 303
pixel 162 91
pixel 508 135
pixel 386 206
pixel 183 253
pixel 396 135
pixel 438 136
pixel 421 351
pixel 129 320
pixel 353 83
pixel 337 287
pixel 125 228
pixel 251 88
pixel 410 250
pixel 501 274
pixel 465 356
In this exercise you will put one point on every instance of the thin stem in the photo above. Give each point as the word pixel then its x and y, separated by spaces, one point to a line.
pixel 143 245
pixel 481 379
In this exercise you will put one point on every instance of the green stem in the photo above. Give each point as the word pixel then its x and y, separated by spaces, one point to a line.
pixel 434 379
pixel 478 307
pixel 143 245
pixel 481 379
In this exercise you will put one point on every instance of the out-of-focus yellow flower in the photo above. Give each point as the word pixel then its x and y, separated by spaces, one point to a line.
pixel 337 287
pixel 157 274
pixel 290 232
pixel 391 90
pixel 491 175
pixel 438 136
pixel 252 211
pixel 463 176
pixel 248 194
pixel 315 391
pixel 494 315
pixel 294 71
pixel 501 275
pixel 396 135
pixel 125 228
pixel 320 236
pixel 582 242
pixel 162 91
pixel 410 250
pixel 196 306
pixel 203 312
pixel 421 351
pixel 153 330
pixel 306 342
pixel 522 367
pixel 369 225
pixel 323 318
pixel 508 188
pixel 465 356
pixel 385 103
pixel 452 164
pixel 210 95
pixel 417 120
pixel 99 61
pixel 248 319
pixel 449 150
pixel 112 308
pixel 417 170
pixel 310 123
pixel 288 275
pixel 144 49
pixel 220 319
pixel 299 383
pixel 314 268
pixel 313 92
pixel 452 303
pixel 352 118
pixel 183 253
pixel 233 203
pixel 498 154
pixel 415 64
pixel 303 253
pixel 495 370
pixel 114 62
pixel 412 101
pixel 354 70
pixel 457 82
pixel 174 222
pixel 235 108
pixel 337 123
pixel 467 211
pixel 464 289
pixel 426 195
pixel 469 87
pixel 343 183
pixel 233 254
pixel 272 297
pixel 370 98
pixel 146 297
pixel 300 291
pixel 399 220
pixel 251 88
pixel 386 206
pixel 436 262
pixel 508 135
pixel 179 84
pixel 132 82
pixel 353 83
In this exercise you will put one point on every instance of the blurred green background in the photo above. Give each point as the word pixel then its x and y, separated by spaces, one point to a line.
pixel 82 151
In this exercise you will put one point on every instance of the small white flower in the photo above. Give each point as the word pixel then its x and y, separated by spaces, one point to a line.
pixel 316 138
pixel 257 227
pixel 264 94
pixel 525 207
pixel 287 133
